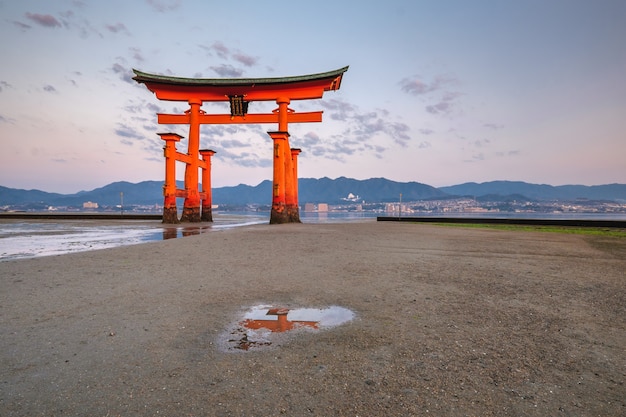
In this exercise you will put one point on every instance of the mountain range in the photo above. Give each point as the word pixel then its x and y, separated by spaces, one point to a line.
pixel 323 190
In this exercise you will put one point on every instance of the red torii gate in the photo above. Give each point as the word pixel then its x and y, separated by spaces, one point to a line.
pixel 239 92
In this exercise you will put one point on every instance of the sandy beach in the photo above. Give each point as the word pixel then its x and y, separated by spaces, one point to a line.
pixel 448 321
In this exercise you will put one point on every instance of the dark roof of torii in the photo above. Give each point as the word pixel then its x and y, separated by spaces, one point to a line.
pixel 221 82
pixel 211 89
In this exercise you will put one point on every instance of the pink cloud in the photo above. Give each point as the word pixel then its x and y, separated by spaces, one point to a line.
pixel 247 60
pixel 44 19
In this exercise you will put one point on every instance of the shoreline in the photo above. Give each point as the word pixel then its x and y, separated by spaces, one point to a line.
pixel 449 321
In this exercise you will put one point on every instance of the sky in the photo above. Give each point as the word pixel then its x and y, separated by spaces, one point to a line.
pixel 440 92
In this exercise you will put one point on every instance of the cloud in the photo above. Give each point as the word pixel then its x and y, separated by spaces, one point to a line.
pixel 445 104
pixel 399 132
pixel 247 60
pixel 310 139
pixel 124 73
pixel 137 55
pixel 153 159
pixel 71 21
pixel 416 86
pixel 164 5
pixel 233 143
pixel 50 89
pixel 21 25
pixel 426 131
pixel 139 108
pixel 228 71
pixel 337 147
pixel 493 126
pixel 3 85
pixel 508 153
pixel 339 110
pixel 45 20
pixel 370 124
pixel 117 28
pixel 225 53
pixel 476 157
pixel 127 132
pixel 436 91
pixel 441 107
pixel 244 159
pixel 215 131
pixel 219 48
pixel 3 119
pixel 154 108
pixel 424 145
pixel 362 127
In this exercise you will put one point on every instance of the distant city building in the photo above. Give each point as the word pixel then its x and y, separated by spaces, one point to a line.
pixel 309 207
pixel 322 207
pixel 351 197
pixel 90 205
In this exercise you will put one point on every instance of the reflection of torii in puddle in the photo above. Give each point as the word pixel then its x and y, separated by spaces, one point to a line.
pixel 280 325
pixel 239 92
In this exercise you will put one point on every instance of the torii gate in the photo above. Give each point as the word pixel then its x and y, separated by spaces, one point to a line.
pixel 239 92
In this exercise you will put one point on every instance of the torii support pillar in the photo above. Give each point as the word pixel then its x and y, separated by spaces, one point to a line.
pixel 207 215
pixel 294 162
pixel 191 207
pixel 170 212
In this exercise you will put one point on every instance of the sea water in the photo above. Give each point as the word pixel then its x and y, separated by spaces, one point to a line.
pixel 21 238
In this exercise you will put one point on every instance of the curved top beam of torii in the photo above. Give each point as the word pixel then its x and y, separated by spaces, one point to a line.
pixel 302 87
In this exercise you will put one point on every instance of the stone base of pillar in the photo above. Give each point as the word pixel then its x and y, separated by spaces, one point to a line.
pixel 284 214
pixel 293 212
pixel 207 215
pixel 170 215
pixel 191 215
pixel 278 215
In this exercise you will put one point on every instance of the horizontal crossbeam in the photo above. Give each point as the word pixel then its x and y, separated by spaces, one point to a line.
pixel 188 159
pixel 181 193
pixel 223 119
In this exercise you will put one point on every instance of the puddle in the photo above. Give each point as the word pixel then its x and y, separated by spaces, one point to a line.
pixel 263 326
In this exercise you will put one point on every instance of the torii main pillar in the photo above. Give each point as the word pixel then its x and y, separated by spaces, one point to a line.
pixel 239 92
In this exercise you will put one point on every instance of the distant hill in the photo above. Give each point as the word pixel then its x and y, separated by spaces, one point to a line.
pixel 143 193
pixel 16 196
pixel 373 190
pixel 326 190
pixel 612 192
pixel 323 190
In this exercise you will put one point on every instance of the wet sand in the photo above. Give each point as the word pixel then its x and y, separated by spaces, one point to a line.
pixel 448 321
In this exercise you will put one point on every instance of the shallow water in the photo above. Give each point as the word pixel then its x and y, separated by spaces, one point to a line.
pixel 21 239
